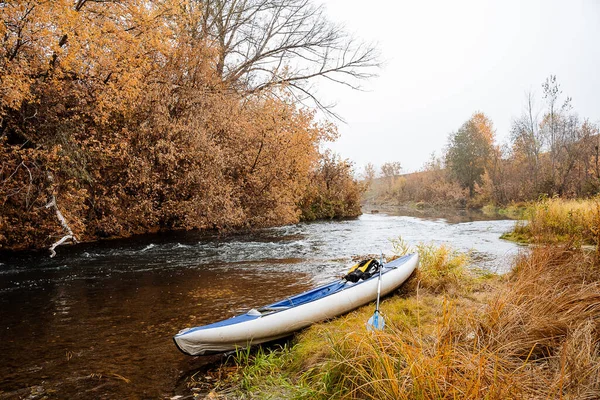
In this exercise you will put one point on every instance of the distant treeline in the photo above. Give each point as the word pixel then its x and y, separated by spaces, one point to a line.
pixel 125 117
pixel 551 152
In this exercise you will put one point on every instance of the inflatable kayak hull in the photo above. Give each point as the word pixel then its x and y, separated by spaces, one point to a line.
pixel 282 318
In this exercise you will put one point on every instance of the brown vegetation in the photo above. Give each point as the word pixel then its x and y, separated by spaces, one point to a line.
pixel 555 155
pixel 140 116
pixel 332 191
pixel 432 186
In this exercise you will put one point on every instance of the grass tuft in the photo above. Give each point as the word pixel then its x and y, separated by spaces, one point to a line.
pixel 441 268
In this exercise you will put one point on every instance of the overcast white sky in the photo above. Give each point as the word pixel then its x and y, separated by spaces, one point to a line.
pixel 445 60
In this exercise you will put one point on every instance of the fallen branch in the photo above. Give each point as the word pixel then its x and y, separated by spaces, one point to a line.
pixel 63 222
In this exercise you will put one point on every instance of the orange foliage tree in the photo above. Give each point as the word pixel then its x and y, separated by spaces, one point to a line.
pixel 469 151
pixel 119 110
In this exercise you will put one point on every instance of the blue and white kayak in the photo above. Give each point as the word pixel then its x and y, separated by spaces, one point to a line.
pixel 284 317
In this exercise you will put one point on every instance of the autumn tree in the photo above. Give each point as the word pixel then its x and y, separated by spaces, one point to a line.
pixel 333 191
pixel 564 134
pixel 552 154
pixel 552 120
pixel 469 150
pixel 369 173
pixel 527 145
pixel 589 160
pixel 123 117
pixel 390 170
pixel 431 185
pixel 70 71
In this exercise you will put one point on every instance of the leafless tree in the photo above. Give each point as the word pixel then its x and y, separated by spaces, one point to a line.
pixel 390 170
pixel 282 46
pixel 369 173
pixel 527 138
pixel 556 148
pixel 557 123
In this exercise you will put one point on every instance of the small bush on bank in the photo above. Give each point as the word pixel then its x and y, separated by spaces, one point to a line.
pixel 332 192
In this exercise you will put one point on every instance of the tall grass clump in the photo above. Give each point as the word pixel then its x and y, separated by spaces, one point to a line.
pixel 557 220
pixel 441 268
pixel 546 320
pixel 430 360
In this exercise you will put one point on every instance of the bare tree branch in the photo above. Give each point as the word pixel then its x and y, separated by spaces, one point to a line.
pixel 267 45
pixel 63 222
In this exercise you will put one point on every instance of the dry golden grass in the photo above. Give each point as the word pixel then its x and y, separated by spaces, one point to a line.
pixel 548 315
pixel 441 268
pixel 558 220
pixel 533 334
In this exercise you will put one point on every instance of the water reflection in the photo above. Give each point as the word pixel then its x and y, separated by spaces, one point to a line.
pixel 97 320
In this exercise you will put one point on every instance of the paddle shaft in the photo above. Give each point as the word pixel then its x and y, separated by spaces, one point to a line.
pixel 379 284
pixel 376 322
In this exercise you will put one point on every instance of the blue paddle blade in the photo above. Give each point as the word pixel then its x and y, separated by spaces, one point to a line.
pixel 376 322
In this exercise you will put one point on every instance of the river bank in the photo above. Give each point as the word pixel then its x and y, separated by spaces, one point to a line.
pixel 451 212
pixel 456 332
pixel 556 220
pixel 532 333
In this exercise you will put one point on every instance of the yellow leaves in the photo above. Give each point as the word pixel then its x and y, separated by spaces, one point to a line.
pixel 109 46
pixel 485 126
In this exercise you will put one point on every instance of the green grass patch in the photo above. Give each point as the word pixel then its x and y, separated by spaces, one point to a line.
pixel 514 211
pixel 517 237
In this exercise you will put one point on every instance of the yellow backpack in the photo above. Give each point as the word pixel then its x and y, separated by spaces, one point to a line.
pixel 363 270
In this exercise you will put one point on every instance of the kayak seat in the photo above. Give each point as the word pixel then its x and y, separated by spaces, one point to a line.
pixel 273 308
pixel 306 297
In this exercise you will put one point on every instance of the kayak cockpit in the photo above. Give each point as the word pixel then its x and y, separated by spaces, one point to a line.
pixel 305 297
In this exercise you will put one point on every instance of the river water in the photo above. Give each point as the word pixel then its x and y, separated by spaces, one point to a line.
pixel 97 320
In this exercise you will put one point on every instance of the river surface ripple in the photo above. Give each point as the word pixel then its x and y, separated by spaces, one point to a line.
pixel 97 320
